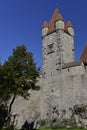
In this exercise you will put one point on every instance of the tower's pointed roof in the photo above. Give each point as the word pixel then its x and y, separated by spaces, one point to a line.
pixel 51 25
pixel 56 16
pixel 84 54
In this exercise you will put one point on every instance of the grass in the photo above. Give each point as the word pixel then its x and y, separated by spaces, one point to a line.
pixel 55 129
pixel 62 129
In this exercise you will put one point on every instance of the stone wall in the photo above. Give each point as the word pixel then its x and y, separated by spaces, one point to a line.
pixel 63 92
pixel 67 89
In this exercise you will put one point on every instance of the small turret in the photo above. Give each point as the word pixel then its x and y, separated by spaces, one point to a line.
pixel 44 29
pixel 59 25
pixel 70 28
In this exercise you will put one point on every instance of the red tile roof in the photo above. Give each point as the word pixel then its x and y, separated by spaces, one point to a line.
pixel 71 64
pixel 69 24
pixel 84 54
pixel 56 16
pixel 51 25
pixel 66 29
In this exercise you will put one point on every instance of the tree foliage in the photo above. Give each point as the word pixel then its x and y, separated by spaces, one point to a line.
pixel 17 75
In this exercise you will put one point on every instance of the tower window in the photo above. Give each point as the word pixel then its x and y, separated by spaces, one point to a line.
pixel 50 48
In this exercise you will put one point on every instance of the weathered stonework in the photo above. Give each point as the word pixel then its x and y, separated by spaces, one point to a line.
pixel 63 81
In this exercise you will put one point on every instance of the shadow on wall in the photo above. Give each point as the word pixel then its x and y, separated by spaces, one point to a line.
pixel 28 126
pixel 3 115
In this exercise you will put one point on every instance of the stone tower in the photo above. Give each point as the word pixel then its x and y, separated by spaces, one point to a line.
pixel 57 45
pixel 63 81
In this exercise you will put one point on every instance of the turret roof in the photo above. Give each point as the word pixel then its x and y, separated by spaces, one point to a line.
pixel 56 16
pixel 45 25
pixel 51 25
pixel 84 54
pixel 69 24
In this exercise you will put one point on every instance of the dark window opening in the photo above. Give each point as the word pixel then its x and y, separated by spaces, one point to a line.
pixel 50 48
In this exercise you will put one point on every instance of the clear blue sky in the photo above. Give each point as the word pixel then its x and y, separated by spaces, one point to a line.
pixel 21 21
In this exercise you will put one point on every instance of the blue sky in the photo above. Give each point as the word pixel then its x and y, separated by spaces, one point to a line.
pixel 21 22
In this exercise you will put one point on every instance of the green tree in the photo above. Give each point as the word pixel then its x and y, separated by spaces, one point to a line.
pixel 17 75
